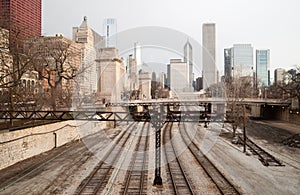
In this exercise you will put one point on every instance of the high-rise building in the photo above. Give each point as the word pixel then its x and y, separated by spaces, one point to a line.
pixel 110 32
pixel 279 75
pixel 209 54
pixel 292 74
pixel 90 42
pixel 242 60
pixel 178 76
pixel 132 73
pixel 137 54
pixel 199 84
pixel 263 67
pixel 22 18
pixel 188 58
pixel 168 75
pixel 162 79
pixel 227 64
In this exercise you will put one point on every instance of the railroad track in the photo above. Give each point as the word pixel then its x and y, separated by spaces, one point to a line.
pixel 180 182
pixel 55 155
pixel 136 177
pixel 97 180
pixel 221 182
pixel 266 158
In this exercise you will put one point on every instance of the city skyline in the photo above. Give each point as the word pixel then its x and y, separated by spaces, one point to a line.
pixel 271 25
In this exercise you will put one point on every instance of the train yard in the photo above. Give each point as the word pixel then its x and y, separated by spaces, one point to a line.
pixel 195 160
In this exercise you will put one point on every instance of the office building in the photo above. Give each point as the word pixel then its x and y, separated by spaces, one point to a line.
pixel 263 68
pixel 23 19
pixel 227 65
pixel 162 79
pixel 168 75
pixel 90 42
pixel 188 59
pixel 178 76
pixel 279 75
pixel 199 84
pixel 209 54
pixel 137 54
pixel 110 32
pixel 242 60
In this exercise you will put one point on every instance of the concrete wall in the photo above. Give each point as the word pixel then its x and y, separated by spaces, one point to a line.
pixel 280 113
pixel 256 111
pixel 22 144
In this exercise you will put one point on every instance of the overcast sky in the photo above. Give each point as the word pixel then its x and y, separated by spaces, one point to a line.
pixel 266 24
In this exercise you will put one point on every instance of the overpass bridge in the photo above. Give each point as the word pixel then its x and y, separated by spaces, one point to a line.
pixel 201 101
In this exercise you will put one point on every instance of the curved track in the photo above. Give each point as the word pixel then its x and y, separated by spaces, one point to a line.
pixel 180 182
pixel 222 183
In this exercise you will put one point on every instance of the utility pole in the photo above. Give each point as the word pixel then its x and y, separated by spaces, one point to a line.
pixel 244 130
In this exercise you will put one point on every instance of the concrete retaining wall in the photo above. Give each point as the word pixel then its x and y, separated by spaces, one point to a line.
pixel 22 144
pixel 281 113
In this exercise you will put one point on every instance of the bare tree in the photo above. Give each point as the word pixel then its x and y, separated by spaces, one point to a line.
pixel 292 84
pixel 236 91
pixel 13 65
pixel 58 63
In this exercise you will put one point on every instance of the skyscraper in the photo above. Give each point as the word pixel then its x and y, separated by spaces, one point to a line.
pixel 22 18
pixel 227 64
pixel 242 60
pixel 262 67
pixel 90 42
pixel 178 76
pixel 279 74
pixel 188 58
pixel 137 54
pixel 209 54
pixel 110 31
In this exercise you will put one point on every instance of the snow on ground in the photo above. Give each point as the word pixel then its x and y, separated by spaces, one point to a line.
pixel 64 175
pixel 247 172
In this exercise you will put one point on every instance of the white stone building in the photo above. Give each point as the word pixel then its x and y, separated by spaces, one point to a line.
pixel 90 42
pixel 179 81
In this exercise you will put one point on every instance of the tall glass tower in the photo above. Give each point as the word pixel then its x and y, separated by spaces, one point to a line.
pixel 110 31
pixel 242 60
pixel 227 64
pixel 262 67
